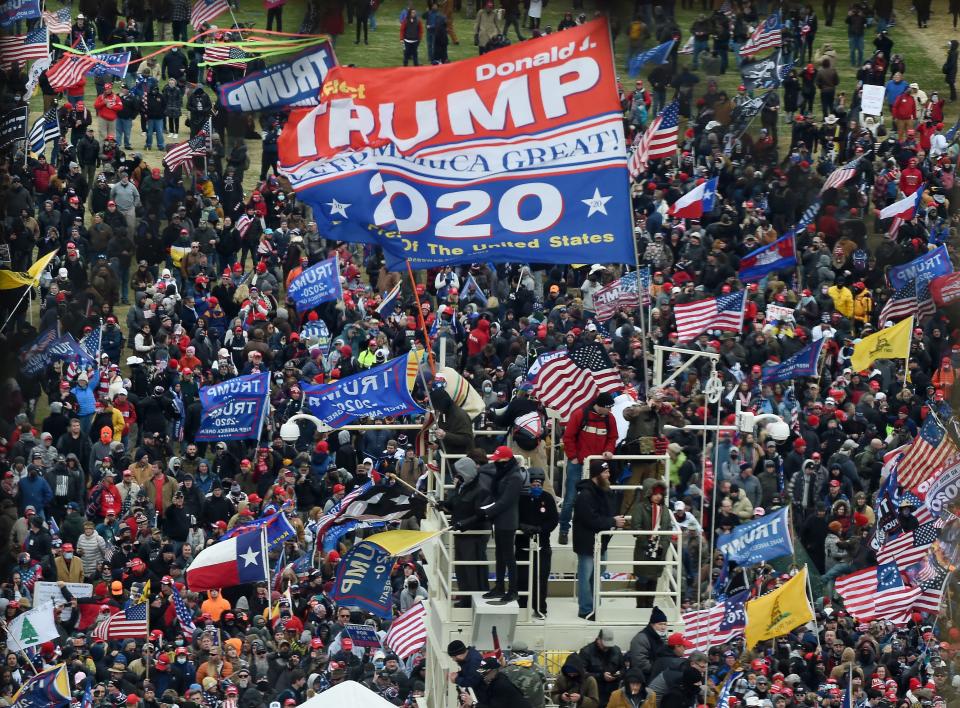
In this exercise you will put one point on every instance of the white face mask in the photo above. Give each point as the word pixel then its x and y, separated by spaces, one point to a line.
pixel 67 556
pixel 181 659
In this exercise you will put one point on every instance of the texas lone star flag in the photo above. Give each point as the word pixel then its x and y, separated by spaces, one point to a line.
pixel 516 155
pixel 242 559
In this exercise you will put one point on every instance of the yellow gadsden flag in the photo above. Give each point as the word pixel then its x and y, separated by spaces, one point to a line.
pixel 10 279
pixel 890 343
pixel 778 612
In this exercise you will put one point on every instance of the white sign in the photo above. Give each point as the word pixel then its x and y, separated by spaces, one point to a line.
pixel 871 103
pixel 45 591
pixel 779 313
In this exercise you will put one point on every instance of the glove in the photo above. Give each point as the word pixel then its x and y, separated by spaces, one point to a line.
pixel 530 529
pixel 457 526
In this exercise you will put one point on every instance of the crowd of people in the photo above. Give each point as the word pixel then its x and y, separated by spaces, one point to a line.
pixel 103 482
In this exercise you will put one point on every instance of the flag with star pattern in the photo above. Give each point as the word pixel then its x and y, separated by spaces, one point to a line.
pixel 566 381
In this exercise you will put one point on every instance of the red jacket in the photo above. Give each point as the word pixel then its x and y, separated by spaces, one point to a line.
pixel 589 433
pixel 107 106
pixel 910 179
pixel 905 107
pixel 479 336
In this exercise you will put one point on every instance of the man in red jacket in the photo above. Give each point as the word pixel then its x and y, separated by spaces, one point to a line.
pixel 592 430
pixel 910 178
pixel 904 113
pixel 106 106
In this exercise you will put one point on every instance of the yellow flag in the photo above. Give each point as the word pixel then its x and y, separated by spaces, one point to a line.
pixel 890 343
pixel 177 253
pixel 145 594
pixel 11 279
pixel 400 542
pixel 778 612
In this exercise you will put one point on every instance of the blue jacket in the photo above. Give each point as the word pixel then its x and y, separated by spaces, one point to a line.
pixel 35 492
pixel 87 397
pixel 468 676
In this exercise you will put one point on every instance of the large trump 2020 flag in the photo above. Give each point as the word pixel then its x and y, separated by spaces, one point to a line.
pixel 513 156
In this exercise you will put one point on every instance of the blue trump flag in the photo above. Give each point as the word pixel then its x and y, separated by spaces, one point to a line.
pixel 779 255
pixel 363 580
pixel 921 270
pixel 48 689
pixel 317 284
pixel 16 10
pixel 317 331
pixel 803 363
pixel 381 391
pixel 294 82
pixel 114 65
pixel 759 540
pixel 234 409
pixel 659 54
pixel 277 525
pixel 64 348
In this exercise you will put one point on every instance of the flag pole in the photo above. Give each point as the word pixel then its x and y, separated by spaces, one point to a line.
pixel 906 359
pixel 6 629
pixel 146 664
pixel 423 321
pixel 14 311
pixel 266 559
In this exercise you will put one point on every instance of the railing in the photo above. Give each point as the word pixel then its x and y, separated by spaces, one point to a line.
pixel 671 564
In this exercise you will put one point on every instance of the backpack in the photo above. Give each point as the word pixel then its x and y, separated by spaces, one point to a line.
pixel 528 430
pixel 530 681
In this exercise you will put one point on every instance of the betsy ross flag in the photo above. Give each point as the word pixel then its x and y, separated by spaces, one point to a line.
pixel 408 632
pixel 840 176
pixel 877 591
pixel 58 22
pixel 767 36
pixel 206 10
pixel 183 612
pixel 910 547
pixel 183 153
pixel 659 55
pixel 904 303
pixel 225 56
pixel 566 381
pixel 928 452
pixel 69 71
pixel 129 624
pixel 659 140
pixel 19 49
pixel 46 129
pixel 723 313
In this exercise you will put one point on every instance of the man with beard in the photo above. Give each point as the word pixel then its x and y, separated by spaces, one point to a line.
pixel 593 511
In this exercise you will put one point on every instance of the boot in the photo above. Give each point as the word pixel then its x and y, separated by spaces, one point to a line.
pixel 494 594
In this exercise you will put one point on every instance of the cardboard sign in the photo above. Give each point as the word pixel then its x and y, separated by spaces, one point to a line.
pixel 45 591
pixel 872 102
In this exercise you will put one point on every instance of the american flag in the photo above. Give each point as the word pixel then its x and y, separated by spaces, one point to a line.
pixel 206 10
pixel 766 36
pixel 877 591
pixel 904 303
pixel 840 176
pixel 183 153
pixel 58 22
pixel 622 292
pixel 908 548
pixel 408 632
pixel 932 579
pixel 717 625
pixel 91 342
pixel 660 139
pixel 566 381
pixel 46 129
pixel 131 623
pixel 183 612
pixel 243 224
pixel 338 509
pixel 19 49
pixel 928 452
pixel 225 56
pixel 723 313
pixel 69 70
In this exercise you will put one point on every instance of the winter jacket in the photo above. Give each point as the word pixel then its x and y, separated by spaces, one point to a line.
pixel 507 485
pixel 593 511
pixel 574 679
pixel 589 433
